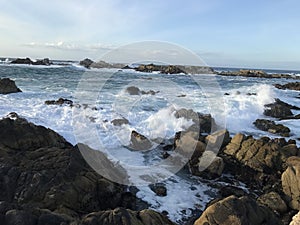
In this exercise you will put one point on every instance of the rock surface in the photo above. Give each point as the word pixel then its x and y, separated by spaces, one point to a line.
pixel 60 101
pixel 291 86
pixel 8 86
pixel 28 61
pixel 272 127
pixel 132 90
pixel 233 210
pixel 255 73
pixel 296 219
pixel 273 201
pixel 86 63
pixel 278 109
pixel 139 142
pixel 120 122
pixel 291 182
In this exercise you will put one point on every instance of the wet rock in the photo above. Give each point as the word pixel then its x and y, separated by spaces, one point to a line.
pixel 60 101
pixel 22 61
pixel 210 166
pixel 139 142
pixel 255 73
pixel 278 110
pixel 8 86
pixel 123 216
pixel 159 189
pixel 132 90
pixel 233 210
pixel 28 61
pixel 272 127
pixel 86 63
pixel 291 86
pixel 19 217
pixel 119 122
pixel 166 69
pixel 226 93
pixel 291 183
pixel 227 191
pixel 218 139
pixel 273 201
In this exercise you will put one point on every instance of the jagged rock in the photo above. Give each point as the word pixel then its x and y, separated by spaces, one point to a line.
pixel 166 69
pixel 120 122
pixel 273 201
pixel 20 217
pixel 28 61
pixel 227 191
pixel 272 127
pixel 255 73
pixel 38 168
pixel 60 101
pixel 159 189
pixel 291 86
pixel 233 210
pixel 86 63
pixel 122 216
pixel 132 90
pixel 291 182
pixel 8 86
pixel 22 61
pixel 139 142
pixel 277 110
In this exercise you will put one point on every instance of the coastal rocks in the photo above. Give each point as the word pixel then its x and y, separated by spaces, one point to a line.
pixel 166 69
pixel 132 90
pixel 291 183
pixel 159 189
pixel 86 63
pixel 28 61
pixel 40 169
pixel 8 86
pixel 120 122
pixel 60 101
pixel 291 86
pixel 205 121
pixel 139 142
pixel 233 210
pixel 272 127
pixel 278 110
pixel 123 216
pixel 263 155
pixel 255 73
pixel 273 201
pixel 296 219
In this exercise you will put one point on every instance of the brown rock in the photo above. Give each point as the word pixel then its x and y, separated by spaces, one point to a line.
pixel 273 201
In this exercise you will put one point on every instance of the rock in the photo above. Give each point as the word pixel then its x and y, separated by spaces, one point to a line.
pixel 8 86
pixel 139 142
pixel 22 61
pixel 233 210
pixel 119 122
pixel 226 93
pixel 255 73
pixel 19 217
pixel 123 216
pixel 273 201
pixel 210 166
pixel 132 90
pixel 291 183
pixel 28 61
pixel 60 101
pixel 38 168
pixel 166 69
pixel 278 110
pixel 159 189
pixel 226 191
pixel 205 122
pixel 272 127
pixel 217 139
pixel 86 63
pixel 43 62
pixel 291 86
pixel 296 219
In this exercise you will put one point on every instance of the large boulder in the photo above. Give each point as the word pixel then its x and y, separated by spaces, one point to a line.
pixel 279 109
pixel 8 86
pixel 22 61
pixel 139 142
pixel 291 182
pixel 86 63
pixel 28 61
pixel 233 210
pixel 38 168
pixel 121 216
pixel 291 86
pixel 272 127
pixel 273 201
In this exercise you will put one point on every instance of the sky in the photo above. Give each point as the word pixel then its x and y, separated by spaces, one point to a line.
pixel 233 33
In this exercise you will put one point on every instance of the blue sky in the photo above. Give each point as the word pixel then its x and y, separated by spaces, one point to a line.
pixel 263 34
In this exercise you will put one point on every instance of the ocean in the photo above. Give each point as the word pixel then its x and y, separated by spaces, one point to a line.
pixel 102 96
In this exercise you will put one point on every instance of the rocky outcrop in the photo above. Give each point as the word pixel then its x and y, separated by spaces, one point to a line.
pixel 86 63
pixel 60 101
pixel 272 127
pixel 120 122
pixel 255 73
pixel 139 142
pixel 121 216
pixel 273 201
pixel 291 183
pixel 291 86
pixel 132 90
pixel 262 155
pixel 279 109
pixel 233 210
pixel 39 169
pixel 166 69
pixel 8 86
pixel 28 61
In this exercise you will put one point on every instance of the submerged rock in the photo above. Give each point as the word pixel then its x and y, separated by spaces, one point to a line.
pixel 139 142
pixel 8 86
pixel 233 210
pixel 132 90
pixel 272 127
pixel 60 101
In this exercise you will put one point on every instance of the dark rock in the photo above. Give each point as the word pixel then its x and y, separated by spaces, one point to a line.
pixel 86 63
pixel 132 90
pixel 227 191
pixel 291 86
pixel 270 126
pixel 290 182
pixel 119 122
pixel 278 110
pixel 233 210
pixel 251 94
pixel 159 189
pixel 60 101
pixel 8 86
pixel 22 61
pixel 139 142
pixel 166 69
pixel 181 96
pixel 273 201
pixel 28 61
pixel 121 216
pixel 255 73
pixel 226 93
pixel 19 217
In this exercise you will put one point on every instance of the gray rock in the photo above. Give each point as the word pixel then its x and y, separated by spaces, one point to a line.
pixel 8 86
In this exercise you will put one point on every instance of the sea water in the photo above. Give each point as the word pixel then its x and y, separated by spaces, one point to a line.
pixel 150 115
